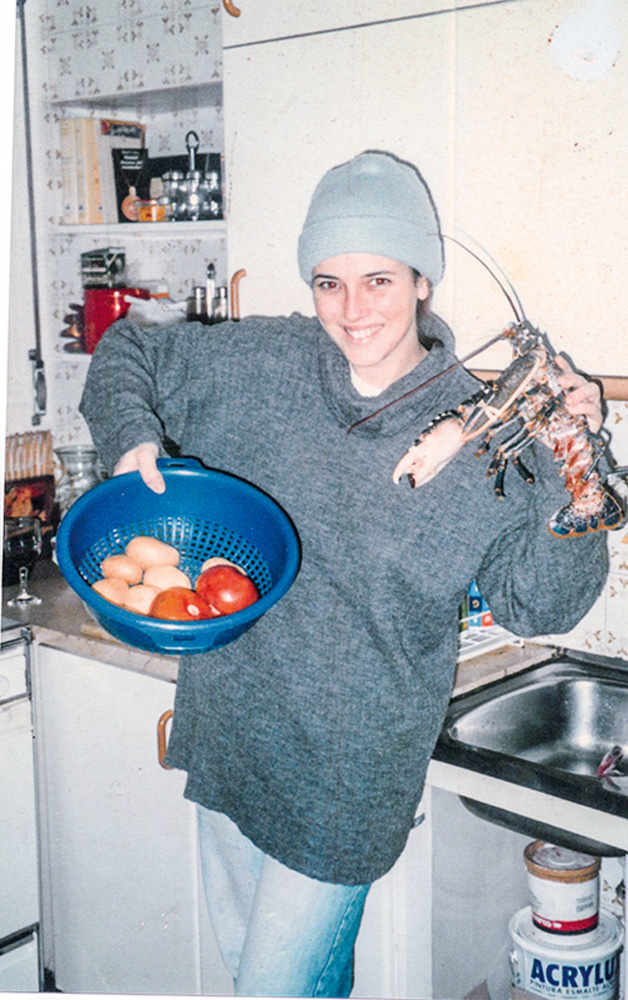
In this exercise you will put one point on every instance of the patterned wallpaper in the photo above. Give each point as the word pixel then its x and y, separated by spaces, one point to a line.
pixel 156 61
pixel 105 48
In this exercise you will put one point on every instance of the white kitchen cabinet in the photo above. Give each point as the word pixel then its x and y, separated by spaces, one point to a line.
pixel 295 108
pixel 258 23
pixel 266 22
pixel 476 98
pixel 123 903
pixel 122 884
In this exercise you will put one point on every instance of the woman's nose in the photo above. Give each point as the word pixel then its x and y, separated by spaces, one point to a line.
pixel 355 304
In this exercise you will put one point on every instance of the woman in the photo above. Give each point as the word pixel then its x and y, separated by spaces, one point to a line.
pixel 306 742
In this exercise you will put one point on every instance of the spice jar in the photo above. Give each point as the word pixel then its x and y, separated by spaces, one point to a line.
pixel 150 211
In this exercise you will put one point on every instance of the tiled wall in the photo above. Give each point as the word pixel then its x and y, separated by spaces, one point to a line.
pixel 158 61
pixel 107 48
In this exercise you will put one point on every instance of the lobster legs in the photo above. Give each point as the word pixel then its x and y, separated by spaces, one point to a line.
pixel 527 398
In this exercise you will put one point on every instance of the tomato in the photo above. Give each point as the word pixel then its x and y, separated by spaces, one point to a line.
pixel 180 604
pixel 226 589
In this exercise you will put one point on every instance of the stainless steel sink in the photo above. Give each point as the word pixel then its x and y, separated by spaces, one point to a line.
pixel 547 728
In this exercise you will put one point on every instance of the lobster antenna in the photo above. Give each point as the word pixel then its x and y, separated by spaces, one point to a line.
pixel 519 316
pixel 434 378
pixel 519 312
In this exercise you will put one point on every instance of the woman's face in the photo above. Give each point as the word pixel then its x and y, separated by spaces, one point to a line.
pixel 367 304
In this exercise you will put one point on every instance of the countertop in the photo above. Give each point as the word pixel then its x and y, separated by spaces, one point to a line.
pixel 62 621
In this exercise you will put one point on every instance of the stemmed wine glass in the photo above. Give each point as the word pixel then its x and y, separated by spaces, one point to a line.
pixel 22 545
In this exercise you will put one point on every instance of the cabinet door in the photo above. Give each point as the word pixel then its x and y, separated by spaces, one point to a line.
pixel 262 22
pixel 18 847
pixel 293 109
pixel 122 874
pixel 473 96
pixel 393 954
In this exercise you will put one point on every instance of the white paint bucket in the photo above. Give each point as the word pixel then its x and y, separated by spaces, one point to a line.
pixel 545 966
pixel 564 888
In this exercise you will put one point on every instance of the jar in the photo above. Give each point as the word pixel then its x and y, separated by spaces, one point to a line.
pixel 173 191
pixel 80 471
pixel 150 210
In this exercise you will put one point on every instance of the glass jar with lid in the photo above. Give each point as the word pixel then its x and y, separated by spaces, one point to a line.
pixel 80 471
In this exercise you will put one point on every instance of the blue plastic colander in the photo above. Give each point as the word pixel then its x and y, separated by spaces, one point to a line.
pixel 203 513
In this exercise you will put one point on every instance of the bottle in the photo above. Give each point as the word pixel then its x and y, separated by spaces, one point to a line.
pixel 210 292
pixel 221 306
pixel 197 307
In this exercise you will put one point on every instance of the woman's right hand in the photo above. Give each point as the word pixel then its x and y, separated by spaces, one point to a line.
pixel 143 459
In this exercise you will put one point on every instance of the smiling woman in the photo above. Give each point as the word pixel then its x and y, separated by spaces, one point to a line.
pixel 307 741
pixel 368 306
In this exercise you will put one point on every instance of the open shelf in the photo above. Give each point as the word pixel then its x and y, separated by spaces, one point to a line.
pixel 164 99
pixel 209 227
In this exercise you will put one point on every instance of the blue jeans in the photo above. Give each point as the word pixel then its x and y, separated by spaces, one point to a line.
pixel 280 933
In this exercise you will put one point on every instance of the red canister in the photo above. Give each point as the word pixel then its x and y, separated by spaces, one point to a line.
pixel 103 306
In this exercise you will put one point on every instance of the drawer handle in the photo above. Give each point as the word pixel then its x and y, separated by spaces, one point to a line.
pixel 161 739
pixel 231 8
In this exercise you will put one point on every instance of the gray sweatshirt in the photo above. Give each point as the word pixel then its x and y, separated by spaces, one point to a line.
pixel 313 731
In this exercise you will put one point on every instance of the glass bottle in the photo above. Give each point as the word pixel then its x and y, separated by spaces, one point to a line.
pixel 80 471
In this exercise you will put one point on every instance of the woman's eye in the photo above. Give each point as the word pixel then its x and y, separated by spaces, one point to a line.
pixel 326 284
pixel 380 280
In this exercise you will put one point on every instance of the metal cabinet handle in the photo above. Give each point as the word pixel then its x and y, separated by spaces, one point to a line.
pixel 231 8
pixel 161 739
pixel 235 293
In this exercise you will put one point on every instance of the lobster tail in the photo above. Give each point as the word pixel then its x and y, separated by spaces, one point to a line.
pixel 576 519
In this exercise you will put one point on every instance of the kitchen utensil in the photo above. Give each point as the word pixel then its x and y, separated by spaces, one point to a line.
pixel 103 306
pixel 103 268
pixel 203 512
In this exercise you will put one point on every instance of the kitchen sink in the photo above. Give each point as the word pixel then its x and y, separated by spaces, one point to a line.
pixel 547 728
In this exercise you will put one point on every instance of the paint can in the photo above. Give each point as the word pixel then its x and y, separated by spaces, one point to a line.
pixel 543 965
pixel 564 888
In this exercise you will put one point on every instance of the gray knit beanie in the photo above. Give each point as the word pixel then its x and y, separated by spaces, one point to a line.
pixel 375 204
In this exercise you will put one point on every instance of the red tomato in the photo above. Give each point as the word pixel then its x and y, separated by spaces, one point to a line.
pixel 226 589
pixel 180 604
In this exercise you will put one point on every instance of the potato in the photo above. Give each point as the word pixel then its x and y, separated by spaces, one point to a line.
pixel 140 598
pixel 112 589
pixel 122 567
pixel 220 561
pixel 164 577
pixel 148 551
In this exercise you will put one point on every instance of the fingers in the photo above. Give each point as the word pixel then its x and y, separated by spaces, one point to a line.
pixel 143 459
pixel 583 396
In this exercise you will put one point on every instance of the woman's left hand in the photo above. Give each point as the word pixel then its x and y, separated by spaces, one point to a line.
pixel 583 396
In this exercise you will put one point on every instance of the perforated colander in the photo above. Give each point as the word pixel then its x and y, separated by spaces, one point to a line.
pixel 203 513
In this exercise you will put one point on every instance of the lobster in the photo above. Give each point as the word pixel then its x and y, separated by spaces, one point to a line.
pixel 528 400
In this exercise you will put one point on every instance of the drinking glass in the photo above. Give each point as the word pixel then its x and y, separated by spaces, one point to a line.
pixel 22 546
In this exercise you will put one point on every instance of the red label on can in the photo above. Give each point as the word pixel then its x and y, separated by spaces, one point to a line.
pixel 565 926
